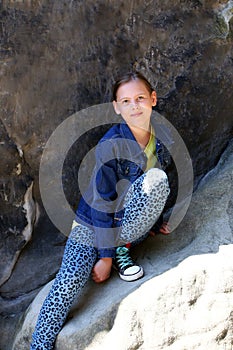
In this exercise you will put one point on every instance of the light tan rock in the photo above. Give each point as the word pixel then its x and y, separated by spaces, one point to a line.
pixel 188 307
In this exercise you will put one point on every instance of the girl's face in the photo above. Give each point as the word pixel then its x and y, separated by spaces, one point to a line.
pixel 134 103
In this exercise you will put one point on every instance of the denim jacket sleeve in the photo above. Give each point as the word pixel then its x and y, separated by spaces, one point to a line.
pixel 105 199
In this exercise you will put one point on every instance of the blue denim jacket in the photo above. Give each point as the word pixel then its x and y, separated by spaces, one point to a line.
pixel 119 162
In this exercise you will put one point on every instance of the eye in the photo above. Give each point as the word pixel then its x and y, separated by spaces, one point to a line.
pixel 125 102
pixel 141 98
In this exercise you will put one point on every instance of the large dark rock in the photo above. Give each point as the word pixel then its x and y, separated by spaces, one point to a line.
pixel 60 57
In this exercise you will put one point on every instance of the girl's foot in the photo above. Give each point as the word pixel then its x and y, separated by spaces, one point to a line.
pixel 128 270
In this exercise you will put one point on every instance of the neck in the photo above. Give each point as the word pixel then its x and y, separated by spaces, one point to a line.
pixel 142 135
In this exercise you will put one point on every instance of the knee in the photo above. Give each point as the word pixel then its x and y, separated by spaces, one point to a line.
pixel 156 176
pixel 156 173
pixel 156 181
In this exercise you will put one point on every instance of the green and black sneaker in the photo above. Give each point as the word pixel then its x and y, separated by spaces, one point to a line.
pixel 128 270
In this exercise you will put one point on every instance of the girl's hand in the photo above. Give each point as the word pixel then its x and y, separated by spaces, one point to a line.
pixel 102 269
pixel 164 229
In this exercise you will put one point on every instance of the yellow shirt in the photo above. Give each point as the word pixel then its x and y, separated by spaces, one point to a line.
pixel 150 151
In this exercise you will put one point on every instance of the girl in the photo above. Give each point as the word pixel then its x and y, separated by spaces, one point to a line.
pixel 125 198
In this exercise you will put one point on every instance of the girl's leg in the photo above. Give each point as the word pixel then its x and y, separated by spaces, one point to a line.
pixel 144 204
pixel 77 263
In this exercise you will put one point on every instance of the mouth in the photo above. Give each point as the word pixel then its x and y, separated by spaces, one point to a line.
pixel 138 114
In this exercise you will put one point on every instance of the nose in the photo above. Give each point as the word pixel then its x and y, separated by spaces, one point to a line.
pixel 135 104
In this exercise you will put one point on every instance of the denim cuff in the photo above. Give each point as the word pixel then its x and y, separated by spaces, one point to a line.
pixel 107 253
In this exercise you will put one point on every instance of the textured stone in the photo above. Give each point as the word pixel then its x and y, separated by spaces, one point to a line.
pixel 189 307
pixel 185 299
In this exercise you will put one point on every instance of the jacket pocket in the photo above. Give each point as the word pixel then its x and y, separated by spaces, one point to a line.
pixel 127 169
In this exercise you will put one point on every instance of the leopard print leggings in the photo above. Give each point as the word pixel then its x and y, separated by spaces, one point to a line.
pixel 144 203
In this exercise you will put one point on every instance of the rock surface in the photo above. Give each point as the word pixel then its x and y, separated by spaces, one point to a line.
pixel 185 300
pixel 60 57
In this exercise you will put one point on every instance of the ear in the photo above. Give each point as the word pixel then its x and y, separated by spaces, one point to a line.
pixel 115 106
pixel 153 98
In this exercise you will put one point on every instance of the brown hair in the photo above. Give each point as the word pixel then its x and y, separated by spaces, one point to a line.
pixel 127 78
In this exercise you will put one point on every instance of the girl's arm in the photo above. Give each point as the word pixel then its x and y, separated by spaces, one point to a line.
pixel 105 199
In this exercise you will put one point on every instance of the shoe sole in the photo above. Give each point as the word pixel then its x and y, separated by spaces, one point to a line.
pixel 131 278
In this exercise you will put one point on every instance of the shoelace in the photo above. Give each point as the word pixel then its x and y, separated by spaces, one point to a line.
pixel 123 258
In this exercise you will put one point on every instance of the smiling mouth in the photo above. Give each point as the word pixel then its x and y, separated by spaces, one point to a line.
pixel 138 114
